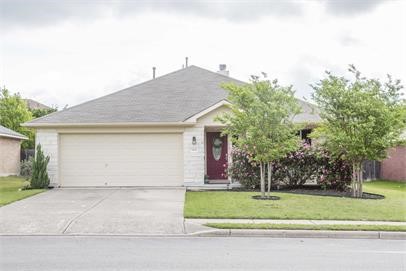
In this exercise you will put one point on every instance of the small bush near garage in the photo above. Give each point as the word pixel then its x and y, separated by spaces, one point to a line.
pixel 306 164
pixel 26 167
pixel 39 178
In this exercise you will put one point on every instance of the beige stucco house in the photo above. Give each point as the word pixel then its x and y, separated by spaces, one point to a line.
pixel 10 143
pixel 161 132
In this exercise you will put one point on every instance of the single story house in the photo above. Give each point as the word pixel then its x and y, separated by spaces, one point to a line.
pixel 159 133
pixel 33 105
pixel 10 144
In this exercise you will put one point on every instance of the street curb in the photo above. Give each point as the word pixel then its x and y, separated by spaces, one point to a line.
pixel 141 235
pixel 392 235
pixel 245 233
pixel 304 234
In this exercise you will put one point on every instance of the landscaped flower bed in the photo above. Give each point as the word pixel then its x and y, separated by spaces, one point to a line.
pixel 295 170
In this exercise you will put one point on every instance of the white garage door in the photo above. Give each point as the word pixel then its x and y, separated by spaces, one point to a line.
pixel 121 160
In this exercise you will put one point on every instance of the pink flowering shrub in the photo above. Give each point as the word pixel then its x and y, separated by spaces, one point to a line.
pixel 297 167
pixel 334 173
pixel 243 169
pixel 307 163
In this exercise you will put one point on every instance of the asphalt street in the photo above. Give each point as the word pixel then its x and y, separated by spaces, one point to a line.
pixel 198 253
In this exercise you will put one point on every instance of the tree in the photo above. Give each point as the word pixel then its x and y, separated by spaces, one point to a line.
pixel 13 112
pixel 362 119
pixel 260 122
pixel 40 112
pixel 40 177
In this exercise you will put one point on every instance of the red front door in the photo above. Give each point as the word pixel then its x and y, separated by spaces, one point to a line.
pixel 216 152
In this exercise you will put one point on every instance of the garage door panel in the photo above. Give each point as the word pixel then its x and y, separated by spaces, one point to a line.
pixel 121 160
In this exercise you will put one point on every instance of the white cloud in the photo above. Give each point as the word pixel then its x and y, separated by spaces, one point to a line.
pixel 75 60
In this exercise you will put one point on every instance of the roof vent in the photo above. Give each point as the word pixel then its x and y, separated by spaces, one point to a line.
pixel 223 70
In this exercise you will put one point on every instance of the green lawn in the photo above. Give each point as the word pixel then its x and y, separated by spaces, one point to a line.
pixel 228 204
pixel 9 190
pixel 268 226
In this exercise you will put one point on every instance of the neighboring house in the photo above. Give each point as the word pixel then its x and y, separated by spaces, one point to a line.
pixel 159 133
pixel 33 105
pixel 10 142
pixel 394 167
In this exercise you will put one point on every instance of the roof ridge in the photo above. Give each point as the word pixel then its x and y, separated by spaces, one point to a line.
pixel 219 74
pixel 229 77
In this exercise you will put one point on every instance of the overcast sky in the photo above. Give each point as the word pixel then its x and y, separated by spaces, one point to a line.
pixel 70 51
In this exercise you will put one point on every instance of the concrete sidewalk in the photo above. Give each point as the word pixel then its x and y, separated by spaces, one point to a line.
pixel 197 227
pixel 289 221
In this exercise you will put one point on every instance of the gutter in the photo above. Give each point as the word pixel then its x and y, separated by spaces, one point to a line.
pixel 119 124
pixel 14 136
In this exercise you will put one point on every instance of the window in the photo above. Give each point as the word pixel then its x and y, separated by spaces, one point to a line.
pixel 304 135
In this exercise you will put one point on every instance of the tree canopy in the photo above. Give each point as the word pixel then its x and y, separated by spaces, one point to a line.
pixel 362 118
pixel 260 121
pixel 13 112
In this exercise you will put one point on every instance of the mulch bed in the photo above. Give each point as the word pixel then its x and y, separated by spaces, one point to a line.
pixel 330 193
pixel 314 190
pixel 258 197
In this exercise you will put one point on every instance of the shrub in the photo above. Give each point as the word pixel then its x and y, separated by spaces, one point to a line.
pixel 297 167
pixel 334 173
pixel 243 169
pixel 40 177
pixel 307 163
pixel 26 167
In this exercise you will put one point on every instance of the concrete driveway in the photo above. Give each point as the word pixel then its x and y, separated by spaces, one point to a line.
pixel 96 211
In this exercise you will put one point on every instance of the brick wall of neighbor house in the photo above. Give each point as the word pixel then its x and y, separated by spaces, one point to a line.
pixel 48 138
pixel 394 167
pixel 193 156
pixel 9 156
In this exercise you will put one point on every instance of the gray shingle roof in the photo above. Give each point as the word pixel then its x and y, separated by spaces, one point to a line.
pixel 31 104
pixel 5 132
pixel 309 114
pixel 170 98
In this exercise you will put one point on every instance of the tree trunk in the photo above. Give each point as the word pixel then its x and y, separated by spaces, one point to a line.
pixel 356 180
pixel 360 177
pixel 269 178
pixel 262 173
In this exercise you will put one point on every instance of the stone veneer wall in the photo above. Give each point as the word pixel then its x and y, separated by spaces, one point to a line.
pixel 193 156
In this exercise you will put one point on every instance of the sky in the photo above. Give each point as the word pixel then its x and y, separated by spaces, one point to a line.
pixel 66 52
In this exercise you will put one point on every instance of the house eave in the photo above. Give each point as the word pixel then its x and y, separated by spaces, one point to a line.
pixel 195 117
pixel 14 136
pixel 308 124
pixel 98 125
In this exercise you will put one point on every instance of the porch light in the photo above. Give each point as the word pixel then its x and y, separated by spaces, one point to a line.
pixel 194 140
